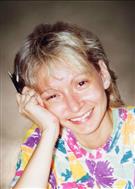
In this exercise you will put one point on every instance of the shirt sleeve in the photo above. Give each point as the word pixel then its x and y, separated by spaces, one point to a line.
pixel 27 148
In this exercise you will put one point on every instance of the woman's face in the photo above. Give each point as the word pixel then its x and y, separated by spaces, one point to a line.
pixel 75 96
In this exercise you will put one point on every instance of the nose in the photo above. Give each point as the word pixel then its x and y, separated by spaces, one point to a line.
pixel 73 102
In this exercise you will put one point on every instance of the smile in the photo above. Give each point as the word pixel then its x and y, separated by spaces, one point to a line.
pixel 82 118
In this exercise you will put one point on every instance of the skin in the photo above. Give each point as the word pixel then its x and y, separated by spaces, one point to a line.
pixel 78 99
pixel 69 98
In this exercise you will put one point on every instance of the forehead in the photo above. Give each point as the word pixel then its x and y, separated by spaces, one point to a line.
pixel 61 69
pixel 64 64
pixel 58 72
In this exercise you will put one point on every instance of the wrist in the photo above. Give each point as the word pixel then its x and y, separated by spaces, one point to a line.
pixel 51 133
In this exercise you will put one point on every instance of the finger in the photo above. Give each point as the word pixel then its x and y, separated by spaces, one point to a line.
pixel 31 92
pixel 25 89
pixel 27 95
pixel 28 107
pixel 33 99
pixel 40 101
pixel 23 100
pixel 27 99
pixel 18 98
pixel 19 101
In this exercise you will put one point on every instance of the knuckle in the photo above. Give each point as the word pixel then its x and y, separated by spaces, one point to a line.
pixel 25 89
pixel 20 110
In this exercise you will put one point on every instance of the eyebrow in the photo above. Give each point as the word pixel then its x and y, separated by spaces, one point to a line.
pixel 46 90
pixel 59 79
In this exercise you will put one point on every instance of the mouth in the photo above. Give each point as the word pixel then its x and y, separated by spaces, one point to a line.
pixel 83 118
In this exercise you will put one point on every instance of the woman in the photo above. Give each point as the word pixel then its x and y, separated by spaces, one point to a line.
pixel 82 135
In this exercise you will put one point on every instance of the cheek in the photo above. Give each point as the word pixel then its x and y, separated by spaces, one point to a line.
pixel 95 94
pixel 57 109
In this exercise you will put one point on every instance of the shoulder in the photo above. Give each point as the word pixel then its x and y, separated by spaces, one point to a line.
pixel 130 109
pixel 127 113
pixel 127 118
pixel 124 113
pixel 124 123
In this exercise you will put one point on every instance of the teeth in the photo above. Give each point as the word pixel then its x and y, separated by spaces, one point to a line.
pixel 81 118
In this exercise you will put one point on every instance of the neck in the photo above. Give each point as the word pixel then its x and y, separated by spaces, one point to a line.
pixel 99 137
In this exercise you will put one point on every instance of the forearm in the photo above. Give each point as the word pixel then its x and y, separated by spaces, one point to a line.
pixel 37 171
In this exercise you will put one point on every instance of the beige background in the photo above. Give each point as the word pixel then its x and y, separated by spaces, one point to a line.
pixel 112 21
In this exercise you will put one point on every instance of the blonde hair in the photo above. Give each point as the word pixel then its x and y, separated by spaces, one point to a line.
pixel 48 44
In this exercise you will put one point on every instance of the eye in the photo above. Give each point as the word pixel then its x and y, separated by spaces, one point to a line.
pixel 51 97
pixel 82 83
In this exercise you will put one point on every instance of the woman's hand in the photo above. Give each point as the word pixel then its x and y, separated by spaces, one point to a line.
pixel 31 106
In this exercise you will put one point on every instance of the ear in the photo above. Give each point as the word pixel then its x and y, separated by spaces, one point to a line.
pixel 104 73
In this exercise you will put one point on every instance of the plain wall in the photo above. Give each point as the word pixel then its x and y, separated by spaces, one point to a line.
pixel 112 21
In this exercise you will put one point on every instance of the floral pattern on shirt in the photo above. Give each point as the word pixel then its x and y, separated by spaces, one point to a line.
pixel 73 166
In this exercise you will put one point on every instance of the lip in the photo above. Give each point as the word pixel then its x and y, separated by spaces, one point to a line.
pixel 83 118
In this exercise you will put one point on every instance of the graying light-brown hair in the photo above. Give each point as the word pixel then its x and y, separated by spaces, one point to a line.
pixel 47 44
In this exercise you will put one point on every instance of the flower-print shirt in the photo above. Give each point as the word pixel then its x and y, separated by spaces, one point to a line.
pixel 73 166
